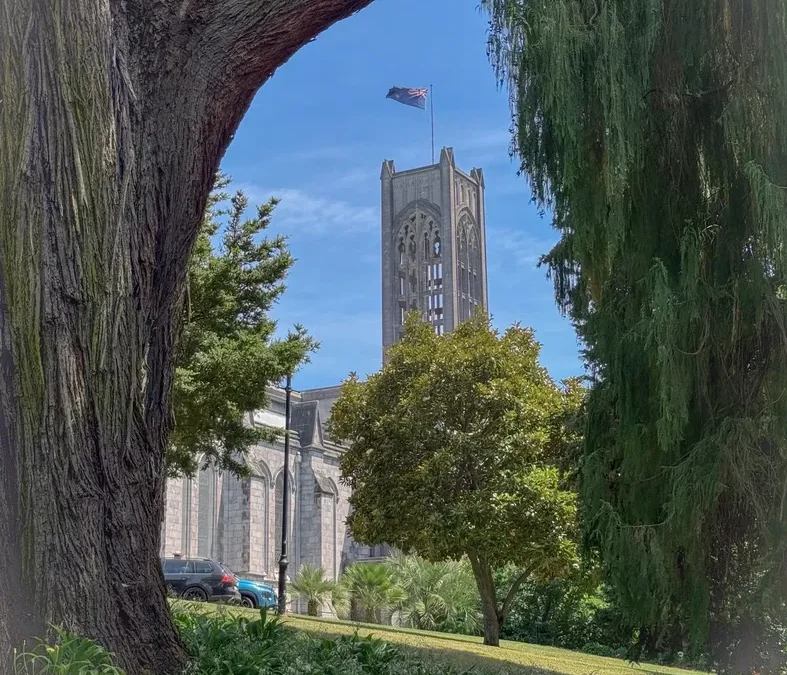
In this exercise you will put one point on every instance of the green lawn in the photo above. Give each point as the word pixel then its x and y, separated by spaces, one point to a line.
pixel 511 658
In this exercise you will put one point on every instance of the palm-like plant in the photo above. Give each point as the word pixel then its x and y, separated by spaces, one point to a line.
pixel 373 588
pixel 438 596
pixel 340 599
pixel 312 586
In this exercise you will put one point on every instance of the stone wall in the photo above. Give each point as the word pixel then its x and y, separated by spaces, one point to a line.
pixel 245 514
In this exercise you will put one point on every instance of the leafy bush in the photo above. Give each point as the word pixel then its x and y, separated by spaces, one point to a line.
pixel 312 586
pixel 222 644
pixel 567 613
pixel 439 596
pixel 70 655
pixel 372 590
pixel 598 649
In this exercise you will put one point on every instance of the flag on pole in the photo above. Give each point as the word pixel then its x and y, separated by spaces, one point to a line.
pixel 412 97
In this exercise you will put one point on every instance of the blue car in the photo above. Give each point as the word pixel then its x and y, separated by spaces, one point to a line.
pixel 255 594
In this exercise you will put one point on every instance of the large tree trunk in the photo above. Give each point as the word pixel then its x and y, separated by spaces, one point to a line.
pixel 114 115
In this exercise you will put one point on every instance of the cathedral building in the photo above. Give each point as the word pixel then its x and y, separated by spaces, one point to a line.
pixel 434 262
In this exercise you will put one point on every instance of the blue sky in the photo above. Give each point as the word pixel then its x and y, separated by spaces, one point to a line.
pixel 316 135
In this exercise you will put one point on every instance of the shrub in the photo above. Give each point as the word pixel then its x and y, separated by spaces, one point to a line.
pixel 222 644
pixel 312 586
pixel 598 649
pixel 440 596
pixel 70 655
pixel 567 613
pixel 372 589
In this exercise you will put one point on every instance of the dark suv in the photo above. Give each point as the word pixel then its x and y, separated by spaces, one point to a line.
pixel 200 580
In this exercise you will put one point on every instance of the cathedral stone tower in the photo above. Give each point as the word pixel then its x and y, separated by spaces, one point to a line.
pixel 433 245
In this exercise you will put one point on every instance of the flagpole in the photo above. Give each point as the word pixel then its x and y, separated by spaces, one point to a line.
pixel 431 104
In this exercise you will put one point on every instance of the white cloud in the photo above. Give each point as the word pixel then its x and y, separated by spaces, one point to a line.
pixel 517 245
pixel 317 214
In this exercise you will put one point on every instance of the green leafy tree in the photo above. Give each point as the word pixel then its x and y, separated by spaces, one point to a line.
pixel 655 133
pixel 372 587
pixel 227 354
pixel 570 612
pixel 449 456
pixel 312 586
pixel 440 596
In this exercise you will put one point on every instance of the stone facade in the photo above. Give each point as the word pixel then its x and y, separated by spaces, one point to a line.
pixel 433 245
pixel 434 261
pixel 238 521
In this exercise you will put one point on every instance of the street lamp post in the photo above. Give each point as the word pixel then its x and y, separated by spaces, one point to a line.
pixel 285 500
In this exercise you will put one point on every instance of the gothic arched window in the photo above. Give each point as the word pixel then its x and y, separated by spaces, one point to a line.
pixel 426 246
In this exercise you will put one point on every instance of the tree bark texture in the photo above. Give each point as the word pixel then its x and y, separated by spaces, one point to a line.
pixel 484 577
pixel 114 115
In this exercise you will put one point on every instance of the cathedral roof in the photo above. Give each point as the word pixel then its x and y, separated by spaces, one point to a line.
pixel 305 420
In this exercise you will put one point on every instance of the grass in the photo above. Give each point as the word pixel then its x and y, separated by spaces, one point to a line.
pixel 511 658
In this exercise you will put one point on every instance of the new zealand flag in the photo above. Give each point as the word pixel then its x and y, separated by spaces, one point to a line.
pixel 413 97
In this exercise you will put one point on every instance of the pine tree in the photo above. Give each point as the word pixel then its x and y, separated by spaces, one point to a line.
pixel 654 131
pixel 227 354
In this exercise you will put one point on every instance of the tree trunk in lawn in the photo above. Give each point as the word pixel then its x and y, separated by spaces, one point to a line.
pixel 114 115
pixel 482 571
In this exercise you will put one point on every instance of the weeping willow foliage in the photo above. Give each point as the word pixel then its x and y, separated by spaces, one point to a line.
pixel 655 131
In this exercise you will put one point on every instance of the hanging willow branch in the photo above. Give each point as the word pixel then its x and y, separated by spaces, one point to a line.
pixel 655 132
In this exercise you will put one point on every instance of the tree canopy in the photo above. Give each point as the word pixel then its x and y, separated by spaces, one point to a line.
pixel 227 354
pixel 654 132
pixel 450 454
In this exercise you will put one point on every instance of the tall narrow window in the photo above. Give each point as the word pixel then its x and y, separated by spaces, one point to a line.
pixel 426 246
pixel 185 515
pixel 206 513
